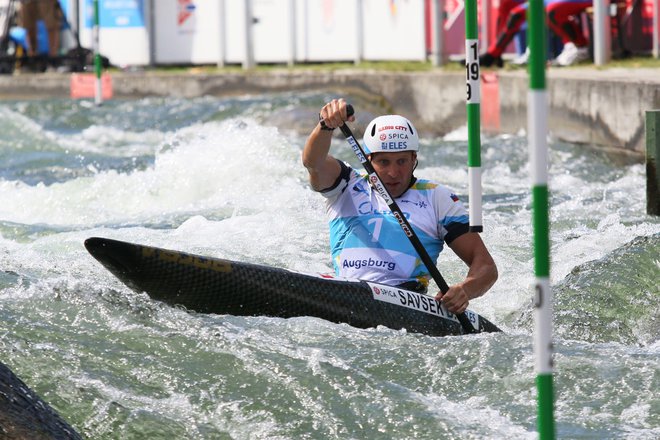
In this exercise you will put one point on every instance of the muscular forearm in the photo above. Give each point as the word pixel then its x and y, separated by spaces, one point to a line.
pixel 316 149
pixel 322 167
pixel 480 278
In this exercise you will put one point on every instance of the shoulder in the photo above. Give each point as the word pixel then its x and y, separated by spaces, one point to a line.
pixel 447 205
pixel 347 176
pixel 424 185
pixel 436 190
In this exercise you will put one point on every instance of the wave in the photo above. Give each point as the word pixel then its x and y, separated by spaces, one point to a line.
pixel 612 299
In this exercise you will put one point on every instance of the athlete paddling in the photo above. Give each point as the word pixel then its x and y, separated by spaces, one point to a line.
pixel 365 238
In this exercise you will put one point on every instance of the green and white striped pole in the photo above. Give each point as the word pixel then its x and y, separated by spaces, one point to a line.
pixel 98 94
pixel 473 114
pixel 537 124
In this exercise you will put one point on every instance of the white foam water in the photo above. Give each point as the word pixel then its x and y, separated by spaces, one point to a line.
pixel 211 176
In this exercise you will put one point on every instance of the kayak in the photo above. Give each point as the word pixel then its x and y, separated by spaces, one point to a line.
pixel 224 287
pixel 24 414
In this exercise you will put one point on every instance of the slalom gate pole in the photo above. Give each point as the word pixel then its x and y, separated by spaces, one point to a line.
pixel 378 185
pixel 537 123
pixel 473 114
pixel 98 93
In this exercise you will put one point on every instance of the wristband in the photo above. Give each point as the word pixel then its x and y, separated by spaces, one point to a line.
pixel 323 126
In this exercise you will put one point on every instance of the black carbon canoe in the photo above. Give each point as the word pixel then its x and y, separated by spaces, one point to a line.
pixel 213 285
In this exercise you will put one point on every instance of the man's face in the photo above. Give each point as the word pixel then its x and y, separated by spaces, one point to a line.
pixel 395 170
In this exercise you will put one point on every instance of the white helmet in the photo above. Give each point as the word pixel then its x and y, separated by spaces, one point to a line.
pixel 390 133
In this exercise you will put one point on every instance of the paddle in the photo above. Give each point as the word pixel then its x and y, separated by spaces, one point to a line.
pixel 398 214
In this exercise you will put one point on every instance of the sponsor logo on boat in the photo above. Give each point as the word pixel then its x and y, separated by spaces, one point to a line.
pixel 384 291
pixel 412 300
pixel 188 260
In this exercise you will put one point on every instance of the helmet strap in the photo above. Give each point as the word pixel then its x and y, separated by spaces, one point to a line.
pixel 413 179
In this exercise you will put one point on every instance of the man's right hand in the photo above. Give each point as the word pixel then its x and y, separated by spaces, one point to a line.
pixel 324 169
pixel 334 114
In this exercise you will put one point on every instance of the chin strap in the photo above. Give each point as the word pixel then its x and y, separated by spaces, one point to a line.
pixel 413 179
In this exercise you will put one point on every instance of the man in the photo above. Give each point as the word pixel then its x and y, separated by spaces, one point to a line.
pixel 561 21
pixel 48 11
pixel 366 240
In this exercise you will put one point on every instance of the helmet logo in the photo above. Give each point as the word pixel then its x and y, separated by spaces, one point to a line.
pixel 396 136
pixel 400 145
pixel 393 127
pixel 391 133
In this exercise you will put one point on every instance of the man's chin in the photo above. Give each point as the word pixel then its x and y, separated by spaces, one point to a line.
pixel 394 192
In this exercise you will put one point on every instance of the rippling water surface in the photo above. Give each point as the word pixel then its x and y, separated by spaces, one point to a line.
pixel 223 177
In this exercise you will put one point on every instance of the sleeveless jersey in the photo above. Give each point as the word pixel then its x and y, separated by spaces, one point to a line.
pixel 368 243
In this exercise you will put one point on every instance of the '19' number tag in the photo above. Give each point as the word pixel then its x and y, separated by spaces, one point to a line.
pixel 472 71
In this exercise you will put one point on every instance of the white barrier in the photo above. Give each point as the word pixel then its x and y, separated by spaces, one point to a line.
pixel 393 30
pixel 144 32
pixel 187 31
pixel 124 36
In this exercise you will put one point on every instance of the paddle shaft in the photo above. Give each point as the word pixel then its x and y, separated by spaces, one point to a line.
pixel 375 181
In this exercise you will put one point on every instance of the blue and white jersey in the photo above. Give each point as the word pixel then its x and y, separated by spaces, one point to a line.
pixel 368 243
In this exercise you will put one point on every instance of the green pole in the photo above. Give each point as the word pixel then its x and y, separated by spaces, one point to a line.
pixel 652 156
pixel 473 114
pixel 98 95
pixel 537 123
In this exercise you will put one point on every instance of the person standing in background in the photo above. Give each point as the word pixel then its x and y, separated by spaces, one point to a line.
pixel 49 11
pixel 561 19
pixel 562 22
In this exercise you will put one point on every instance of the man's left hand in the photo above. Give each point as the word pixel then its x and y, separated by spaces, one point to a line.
pixel 456 299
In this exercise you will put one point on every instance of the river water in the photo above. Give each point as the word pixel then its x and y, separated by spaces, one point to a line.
pixel 223 177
